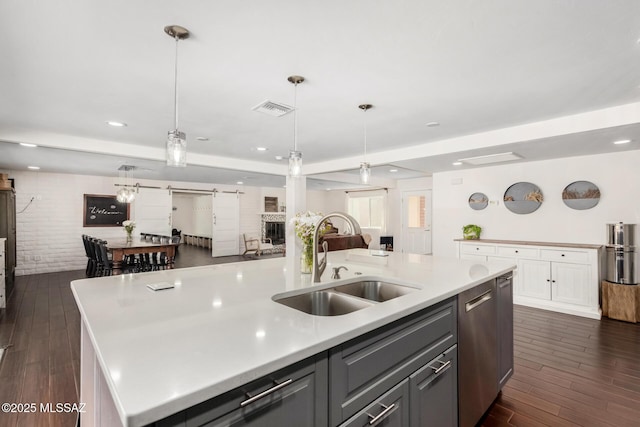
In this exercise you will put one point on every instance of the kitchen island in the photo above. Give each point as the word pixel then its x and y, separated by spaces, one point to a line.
pixel 149 354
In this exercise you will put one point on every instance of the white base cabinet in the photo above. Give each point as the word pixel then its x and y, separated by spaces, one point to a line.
pixel 558 277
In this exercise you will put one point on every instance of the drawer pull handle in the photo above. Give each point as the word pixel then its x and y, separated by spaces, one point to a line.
pixel 471 304
pixel 267 392
pixel 443 366
pixel 562 255
pixel 381 415
pixel 516 251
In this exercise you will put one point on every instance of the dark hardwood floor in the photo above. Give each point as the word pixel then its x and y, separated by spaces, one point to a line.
pixel 569 370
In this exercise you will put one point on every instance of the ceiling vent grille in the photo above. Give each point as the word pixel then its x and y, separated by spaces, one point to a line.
pixel 273 108
pixel 491 158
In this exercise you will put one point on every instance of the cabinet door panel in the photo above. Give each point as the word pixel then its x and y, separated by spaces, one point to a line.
pixel 534 279
pixel 434 396
pixel 570 283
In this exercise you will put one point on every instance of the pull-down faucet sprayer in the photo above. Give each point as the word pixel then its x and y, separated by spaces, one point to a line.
pixel 318 267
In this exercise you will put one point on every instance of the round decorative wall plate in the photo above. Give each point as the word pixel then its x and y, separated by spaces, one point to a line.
pixel 523 198
pixel 581 195
pixel 478 201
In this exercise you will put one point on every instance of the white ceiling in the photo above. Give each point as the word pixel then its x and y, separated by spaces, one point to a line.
pixel 542 78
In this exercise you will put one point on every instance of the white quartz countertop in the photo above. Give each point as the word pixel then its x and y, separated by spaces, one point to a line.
pixel 219 328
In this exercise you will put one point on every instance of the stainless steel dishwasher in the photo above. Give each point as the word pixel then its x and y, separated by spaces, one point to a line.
pixel 477 358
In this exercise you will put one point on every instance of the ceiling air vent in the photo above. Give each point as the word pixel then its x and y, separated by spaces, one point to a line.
pixel 491 158
pixel 273 108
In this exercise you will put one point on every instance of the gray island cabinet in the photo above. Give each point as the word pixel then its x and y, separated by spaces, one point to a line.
pixel 403 374
pixel 219 350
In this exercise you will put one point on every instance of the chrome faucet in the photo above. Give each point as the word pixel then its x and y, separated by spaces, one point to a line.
pixel 318 267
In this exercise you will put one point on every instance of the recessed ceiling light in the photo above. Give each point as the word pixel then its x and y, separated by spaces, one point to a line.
pixel 116 124
pixel 239 182
pixel 26 144
pixel 279 157
pixel 433 124
pixel 328 189
pixel 393 170
pixel 202 138
pixel 261 149
pixel 35 168
pixel 456 163
pixel 622 141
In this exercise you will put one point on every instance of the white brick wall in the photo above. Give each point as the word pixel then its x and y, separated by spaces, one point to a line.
pixel 49 230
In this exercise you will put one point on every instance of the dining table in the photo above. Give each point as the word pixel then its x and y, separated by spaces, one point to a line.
pixel 120 248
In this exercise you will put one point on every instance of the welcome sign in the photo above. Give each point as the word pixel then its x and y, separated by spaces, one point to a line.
pixel 104 211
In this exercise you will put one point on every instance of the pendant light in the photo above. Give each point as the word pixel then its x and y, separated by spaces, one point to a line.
pixel 176 140
pixel 295 156
pixel 127 193
pixel 365 167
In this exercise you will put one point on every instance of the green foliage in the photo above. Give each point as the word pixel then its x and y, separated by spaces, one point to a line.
pixel 471 231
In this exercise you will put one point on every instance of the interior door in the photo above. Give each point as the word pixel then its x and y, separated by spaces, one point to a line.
pixel 226 224
pixel 153 211
pixel 416 222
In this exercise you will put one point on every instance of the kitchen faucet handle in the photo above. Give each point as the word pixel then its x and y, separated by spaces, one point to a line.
pixel 336 271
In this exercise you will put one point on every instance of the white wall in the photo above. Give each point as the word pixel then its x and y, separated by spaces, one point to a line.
pixel 49 230
pixel 202 224
pixel 616 174
pixel 182 216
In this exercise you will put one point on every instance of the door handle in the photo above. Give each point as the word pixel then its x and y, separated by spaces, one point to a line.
pixel 443 366
pixel 267 392
pixel 382 414
pixel 477 301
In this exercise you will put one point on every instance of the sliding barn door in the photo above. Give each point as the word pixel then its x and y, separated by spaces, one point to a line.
pixel 226 224
pixel 153 211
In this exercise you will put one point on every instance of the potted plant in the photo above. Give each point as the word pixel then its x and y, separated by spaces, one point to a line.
pixel 471 231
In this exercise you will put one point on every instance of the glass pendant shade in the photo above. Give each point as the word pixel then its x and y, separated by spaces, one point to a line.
pixel 126 195
pixel 176 149
pixel 365 172
pixel 295 164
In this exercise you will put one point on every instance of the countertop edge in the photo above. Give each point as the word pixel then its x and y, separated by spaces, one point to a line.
pixel 530 243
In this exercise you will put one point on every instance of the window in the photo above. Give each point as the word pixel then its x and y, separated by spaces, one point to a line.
pixel 368 209
pixel 416 212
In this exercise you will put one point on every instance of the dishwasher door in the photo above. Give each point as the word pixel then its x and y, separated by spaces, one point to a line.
pixel 477 357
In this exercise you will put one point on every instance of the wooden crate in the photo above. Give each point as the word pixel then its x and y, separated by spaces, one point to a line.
pixel 621 302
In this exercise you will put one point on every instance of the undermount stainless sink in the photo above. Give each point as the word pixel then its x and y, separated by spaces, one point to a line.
pixel 324 303
pixel 374 290
pixel 345 298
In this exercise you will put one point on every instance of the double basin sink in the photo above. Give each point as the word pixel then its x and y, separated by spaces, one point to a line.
pixel 345 299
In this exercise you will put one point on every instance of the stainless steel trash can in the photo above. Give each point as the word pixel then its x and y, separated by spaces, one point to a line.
pixel 621 255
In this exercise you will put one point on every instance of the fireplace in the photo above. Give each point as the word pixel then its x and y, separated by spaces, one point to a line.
pixel 275 231
pixel 274 227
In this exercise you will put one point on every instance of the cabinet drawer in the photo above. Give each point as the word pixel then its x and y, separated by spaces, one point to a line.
pixel 515 251
pixel 566 256
pixel 392 408
pixel 304 398
pixel 478 249
pixel 362 369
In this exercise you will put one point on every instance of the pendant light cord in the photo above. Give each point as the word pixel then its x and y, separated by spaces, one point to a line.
pixel 295 117
pixel 365 134
pixel 175 87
